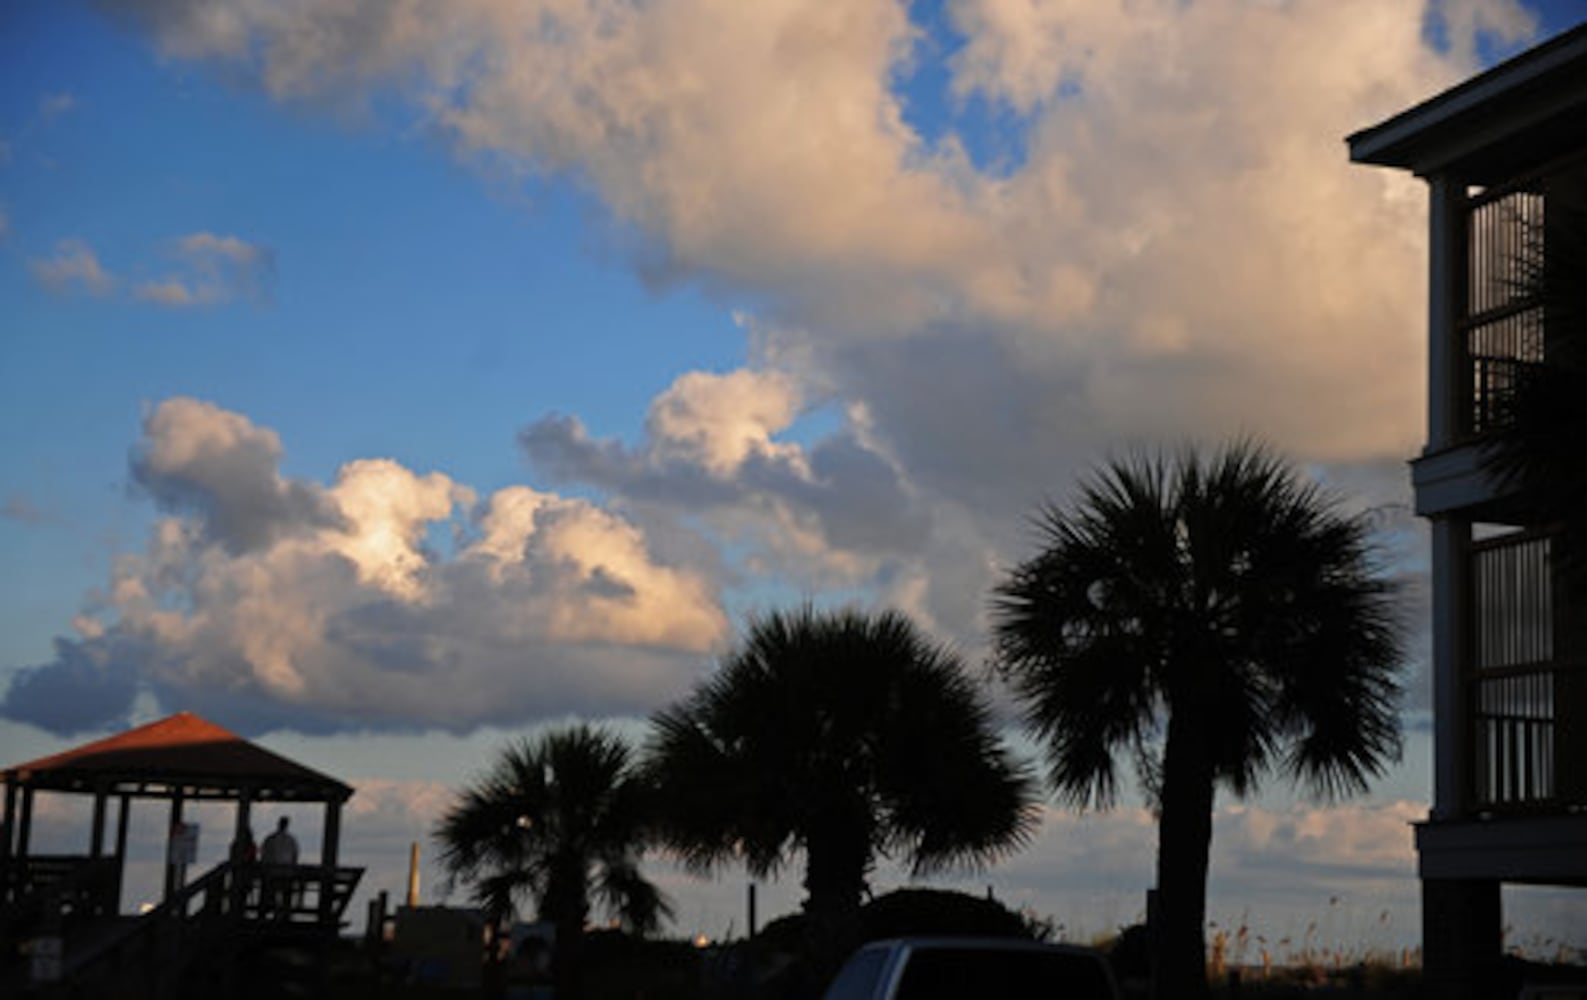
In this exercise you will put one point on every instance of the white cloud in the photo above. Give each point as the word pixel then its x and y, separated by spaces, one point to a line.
pixel 837 512
pixel 280 602
pixel 1183 248
pixel 1465 21
pixel 719 421
pixel 170 292
pixel 213 270
pixel 387 510
pixel 219 464
pixel 228 247
pixel 73 265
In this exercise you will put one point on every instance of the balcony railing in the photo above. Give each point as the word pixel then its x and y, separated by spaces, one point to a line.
pixel 1514 734
pixel 1502 329
pixel 1528 693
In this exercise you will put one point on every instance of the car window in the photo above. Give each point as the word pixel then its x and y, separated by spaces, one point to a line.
pixel 858 978
pixel 943 973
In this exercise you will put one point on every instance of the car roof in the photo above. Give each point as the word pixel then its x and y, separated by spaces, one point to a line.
pixel 987 942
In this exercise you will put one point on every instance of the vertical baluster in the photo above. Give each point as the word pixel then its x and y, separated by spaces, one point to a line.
pixel 1524 733
pixel 1548 736
pixel 1484 749
pixel 1540 729
pixel 1513 750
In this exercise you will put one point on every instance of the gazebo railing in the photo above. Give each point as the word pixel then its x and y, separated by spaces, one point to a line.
pixel 223 904
pixel 300 895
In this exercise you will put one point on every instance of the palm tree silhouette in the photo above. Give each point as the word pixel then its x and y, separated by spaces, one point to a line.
pixel 1213 619
pixel 561 819
pixel 844 735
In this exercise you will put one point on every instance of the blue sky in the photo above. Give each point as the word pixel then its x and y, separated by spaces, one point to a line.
pixel 383 378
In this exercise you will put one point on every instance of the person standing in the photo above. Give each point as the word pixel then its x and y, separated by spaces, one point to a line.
pixel 243 855
pixel 279 854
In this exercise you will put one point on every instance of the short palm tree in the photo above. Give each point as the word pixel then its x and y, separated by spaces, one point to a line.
pixel 846 736
pixel 1212 619
pixel 560 820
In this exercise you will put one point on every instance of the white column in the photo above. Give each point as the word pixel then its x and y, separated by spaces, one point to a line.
pixel 1448 392
pixel 1452 735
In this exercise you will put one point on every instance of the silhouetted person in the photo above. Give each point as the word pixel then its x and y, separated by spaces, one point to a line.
pixel 243 849
pixel 244 853
pixel 279 853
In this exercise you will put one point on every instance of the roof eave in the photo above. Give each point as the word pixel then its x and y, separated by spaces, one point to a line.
pixel 1531 88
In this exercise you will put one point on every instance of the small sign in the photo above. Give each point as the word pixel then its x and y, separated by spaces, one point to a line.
pixel 184 844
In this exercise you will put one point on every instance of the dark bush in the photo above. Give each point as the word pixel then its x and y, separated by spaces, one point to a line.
pixel 911 912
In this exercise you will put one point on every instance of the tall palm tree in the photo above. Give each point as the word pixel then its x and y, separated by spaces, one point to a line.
pixel 844 735
pixel 560 819
pixel 1212 619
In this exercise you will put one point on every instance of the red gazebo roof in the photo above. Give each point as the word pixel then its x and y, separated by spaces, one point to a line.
pixel 182 753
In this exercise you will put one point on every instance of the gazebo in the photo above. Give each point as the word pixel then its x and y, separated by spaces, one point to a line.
pixel 180 759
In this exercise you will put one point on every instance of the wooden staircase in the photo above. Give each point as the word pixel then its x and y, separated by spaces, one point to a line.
pixel 194 943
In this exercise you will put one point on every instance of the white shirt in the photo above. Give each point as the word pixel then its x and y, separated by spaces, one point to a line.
pixel 279 849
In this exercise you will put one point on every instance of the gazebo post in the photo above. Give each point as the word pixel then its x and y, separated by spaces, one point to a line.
pixel 96 840
pixel 7 823
pixel 170 857
pixel 330 839
pixel 121 845
pixel 242 867
pixel 244 816
pixel 25 827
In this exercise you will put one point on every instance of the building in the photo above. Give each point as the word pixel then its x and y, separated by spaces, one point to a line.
pixel 1504 156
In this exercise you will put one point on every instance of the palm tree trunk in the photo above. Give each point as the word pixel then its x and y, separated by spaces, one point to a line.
pixel 834 882
pixel 567 904
pixel 567 962
pixel 1184 839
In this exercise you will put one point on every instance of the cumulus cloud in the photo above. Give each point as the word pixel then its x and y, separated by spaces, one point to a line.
pixel 73 266
pixel 1179 250
pixel 275 602
pixel 837 509
pixel 213 270
pixel 1183 245
pixel 217 464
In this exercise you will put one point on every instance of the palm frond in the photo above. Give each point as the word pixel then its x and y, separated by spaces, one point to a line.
pixel 836 732
pixel 1224 585
pixel 546 819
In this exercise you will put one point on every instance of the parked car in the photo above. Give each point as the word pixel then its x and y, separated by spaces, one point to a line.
pixel 939 968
